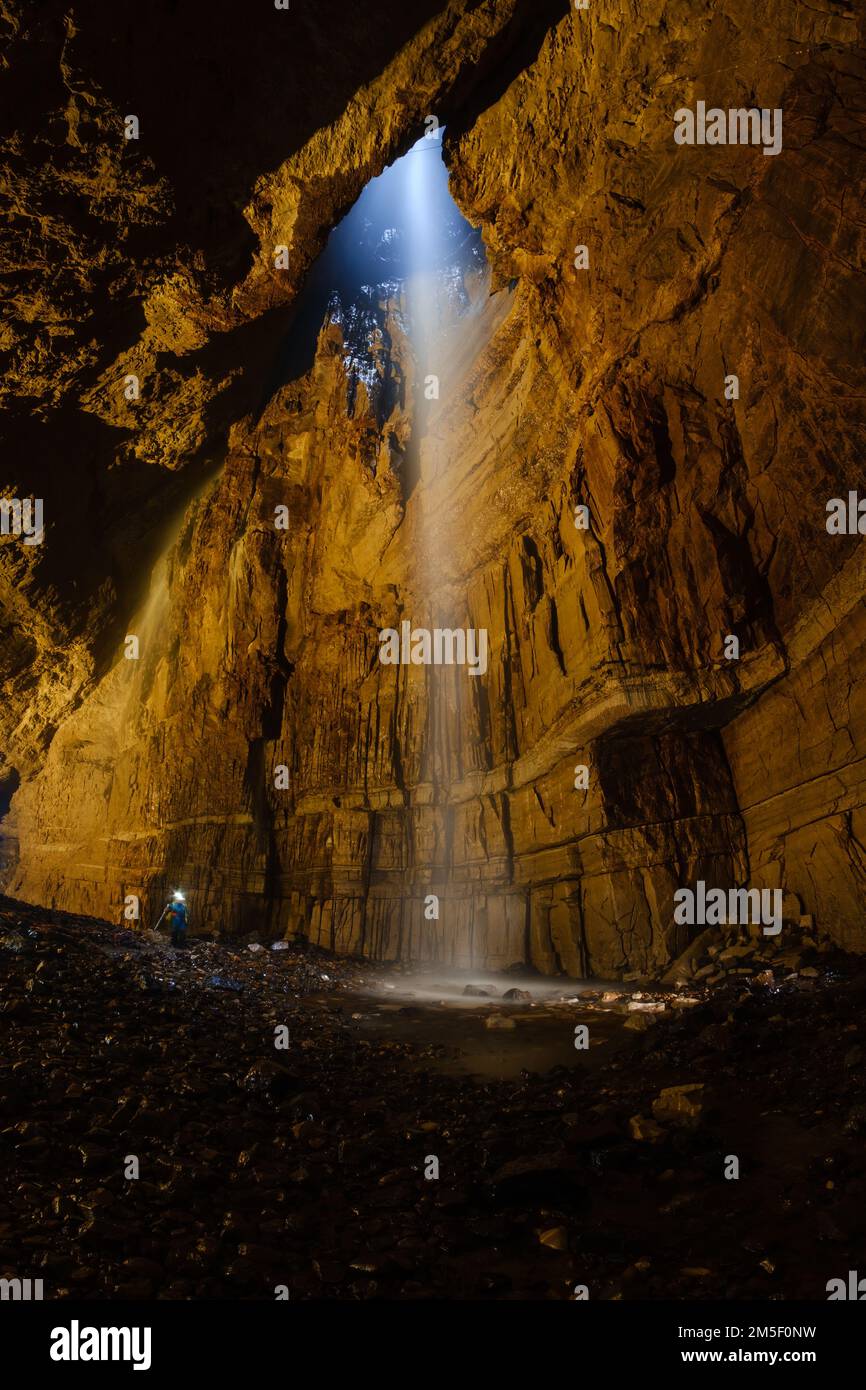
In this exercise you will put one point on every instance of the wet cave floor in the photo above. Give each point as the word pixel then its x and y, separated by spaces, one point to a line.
pixel 312 1168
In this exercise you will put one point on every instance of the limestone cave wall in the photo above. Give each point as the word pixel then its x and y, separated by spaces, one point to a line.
pixel 560 388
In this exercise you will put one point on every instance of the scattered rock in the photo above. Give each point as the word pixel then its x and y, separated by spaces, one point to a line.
pixel 645 1130
pixel 545 1176
pixel 556 1238
pixel 224 982
pixel 242 1145
pixel 639 1023
pixel 683 967
pixel 267 1078
pixel 855 1120
pixel 736 952
pixel 680 1105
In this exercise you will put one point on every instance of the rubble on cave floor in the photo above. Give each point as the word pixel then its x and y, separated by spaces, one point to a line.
pixel 306 1166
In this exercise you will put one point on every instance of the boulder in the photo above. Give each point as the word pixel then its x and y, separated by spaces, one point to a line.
pixel 680 1105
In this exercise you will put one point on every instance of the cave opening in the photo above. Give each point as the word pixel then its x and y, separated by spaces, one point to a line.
pixel 404 256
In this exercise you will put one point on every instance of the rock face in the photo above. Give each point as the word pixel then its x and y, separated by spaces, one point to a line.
pixel 257 750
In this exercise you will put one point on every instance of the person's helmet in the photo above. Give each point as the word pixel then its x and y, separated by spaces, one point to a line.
pixel 178 896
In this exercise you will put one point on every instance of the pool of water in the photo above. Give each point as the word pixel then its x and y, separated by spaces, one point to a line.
pixel 428 1007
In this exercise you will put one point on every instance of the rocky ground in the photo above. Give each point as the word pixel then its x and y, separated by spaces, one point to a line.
pixel 305 1167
